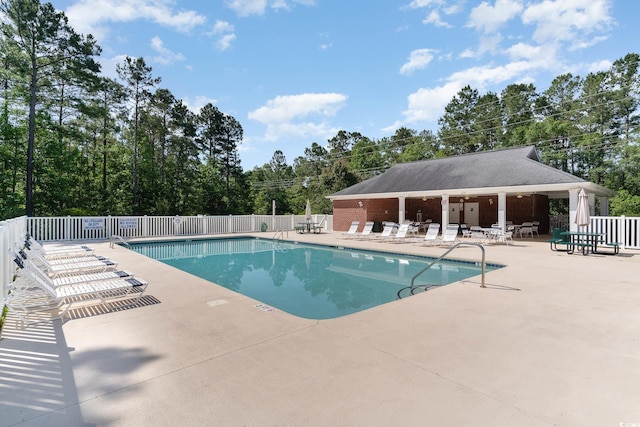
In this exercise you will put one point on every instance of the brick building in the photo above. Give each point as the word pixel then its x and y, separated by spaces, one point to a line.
pixel 476 189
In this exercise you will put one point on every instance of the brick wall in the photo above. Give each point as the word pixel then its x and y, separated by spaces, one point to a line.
pixel 528 208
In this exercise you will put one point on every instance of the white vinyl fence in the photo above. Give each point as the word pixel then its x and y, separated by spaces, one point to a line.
pixel 12 231
pixel 622 229
pixel 103 227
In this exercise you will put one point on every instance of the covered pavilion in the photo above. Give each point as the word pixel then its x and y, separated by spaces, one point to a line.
pixel 490 187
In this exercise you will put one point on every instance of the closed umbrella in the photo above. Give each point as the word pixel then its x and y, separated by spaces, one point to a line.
pixel 307 211
pixel 582 210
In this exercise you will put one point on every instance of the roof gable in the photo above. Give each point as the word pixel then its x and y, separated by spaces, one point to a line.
pixel 510 167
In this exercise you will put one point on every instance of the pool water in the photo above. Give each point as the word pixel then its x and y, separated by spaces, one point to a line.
pixel 310 281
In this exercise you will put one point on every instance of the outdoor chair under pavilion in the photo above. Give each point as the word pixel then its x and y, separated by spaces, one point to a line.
pixel 526 229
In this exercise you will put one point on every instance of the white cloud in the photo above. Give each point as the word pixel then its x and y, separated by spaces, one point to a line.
pixel 434 18
pixel 418 59
pixel 417 4
pixel 567 20
pixel 259 7
pixel 427 104
pixel 194 105
pixel 488 19
pixel 108 65
pixel 604 65
pixel 288 115
pixel 225 33
pixel 225 42
pixel 89 16
pixel 247 7
pixel 166 56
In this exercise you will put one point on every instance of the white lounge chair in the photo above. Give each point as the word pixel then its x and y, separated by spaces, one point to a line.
pixel 449 236
pixel 352 230
pixel 400 236
pixel 432 234
pixel 76 278
pixel 53 253
pixel 366 231
pixel 75 267
pixel 42 296
pixel 387 231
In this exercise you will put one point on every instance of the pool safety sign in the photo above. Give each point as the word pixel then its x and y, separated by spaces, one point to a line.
pixel 127 223
pixel 92 223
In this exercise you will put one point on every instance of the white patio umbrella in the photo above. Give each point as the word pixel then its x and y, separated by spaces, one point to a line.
pixel 307 210
pixel 582 218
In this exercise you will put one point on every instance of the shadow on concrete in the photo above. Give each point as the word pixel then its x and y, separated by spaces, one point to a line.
pixel 37 385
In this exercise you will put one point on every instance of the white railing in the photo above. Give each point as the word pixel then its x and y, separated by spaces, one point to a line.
pixel 12 231
pixel 103 227
pixel 625 230
pixel 622 229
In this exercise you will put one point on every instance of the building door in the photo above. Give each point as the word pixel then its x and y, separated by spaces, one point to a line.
pixel 454 213
pixel 472 213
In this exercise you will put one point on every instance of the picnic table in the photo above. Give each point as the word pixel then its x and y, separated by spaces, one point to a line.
pixel 584 240
pixel 308 226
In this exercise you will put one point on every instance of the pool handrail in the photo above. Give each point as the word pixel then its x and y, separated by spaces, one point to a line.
pixel 413 279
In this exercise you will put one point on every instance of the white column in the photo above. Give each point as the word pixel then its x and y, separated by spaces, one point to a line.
pixel 401 209
pixel 444 203
pixel 502 211
pixel 573 206
pixel 604 206
pixel 592 204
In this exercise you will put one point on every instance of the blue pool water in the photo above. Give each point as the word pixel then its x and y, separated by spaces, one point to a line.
pixel 310 281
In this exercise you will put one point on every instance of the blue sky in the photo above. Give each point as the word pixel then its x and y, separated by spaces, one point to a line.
pixel 294 72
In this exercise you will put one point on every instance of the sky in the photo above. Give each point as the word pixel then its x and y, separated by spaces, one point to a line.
pixel 294 72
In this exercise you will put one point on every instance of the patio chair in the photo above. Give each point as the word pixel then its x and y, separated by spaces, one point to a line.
pixel 504 237
pixel 526 229
pixel 478 234
pixel 352 230
pixel 535 225
pixel 432 234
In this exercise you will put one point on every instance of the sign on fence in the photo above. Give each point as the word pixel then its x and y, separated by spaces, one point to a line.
pixel 92 223
pixel 127 223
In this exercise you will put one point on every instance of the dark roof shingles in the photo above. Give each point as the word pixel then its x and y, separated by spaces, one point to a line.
pixel 500 168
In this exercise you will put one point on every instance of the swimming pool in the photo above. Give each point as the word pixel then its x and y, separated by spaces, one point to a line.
pixel 310 281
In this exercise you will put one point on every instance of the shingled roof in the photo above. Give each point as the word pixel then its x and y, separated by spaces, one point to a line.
pixel 510 170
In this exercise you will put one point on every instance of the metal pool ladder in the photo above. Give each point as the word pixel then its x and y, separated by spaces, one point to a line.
pixel 115 237
pixel 412 287
pixel 279 235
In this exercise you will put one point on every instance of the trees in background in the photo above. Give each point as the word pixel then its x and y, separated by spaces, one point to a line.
pixel 73 142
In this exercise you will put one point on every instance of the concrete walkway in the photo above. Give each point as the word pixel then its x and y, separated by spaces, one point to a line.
pixel 552 341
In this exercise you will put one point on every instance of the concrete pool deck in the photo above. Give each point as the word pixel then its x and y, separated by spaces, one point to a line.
pixel 552 341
